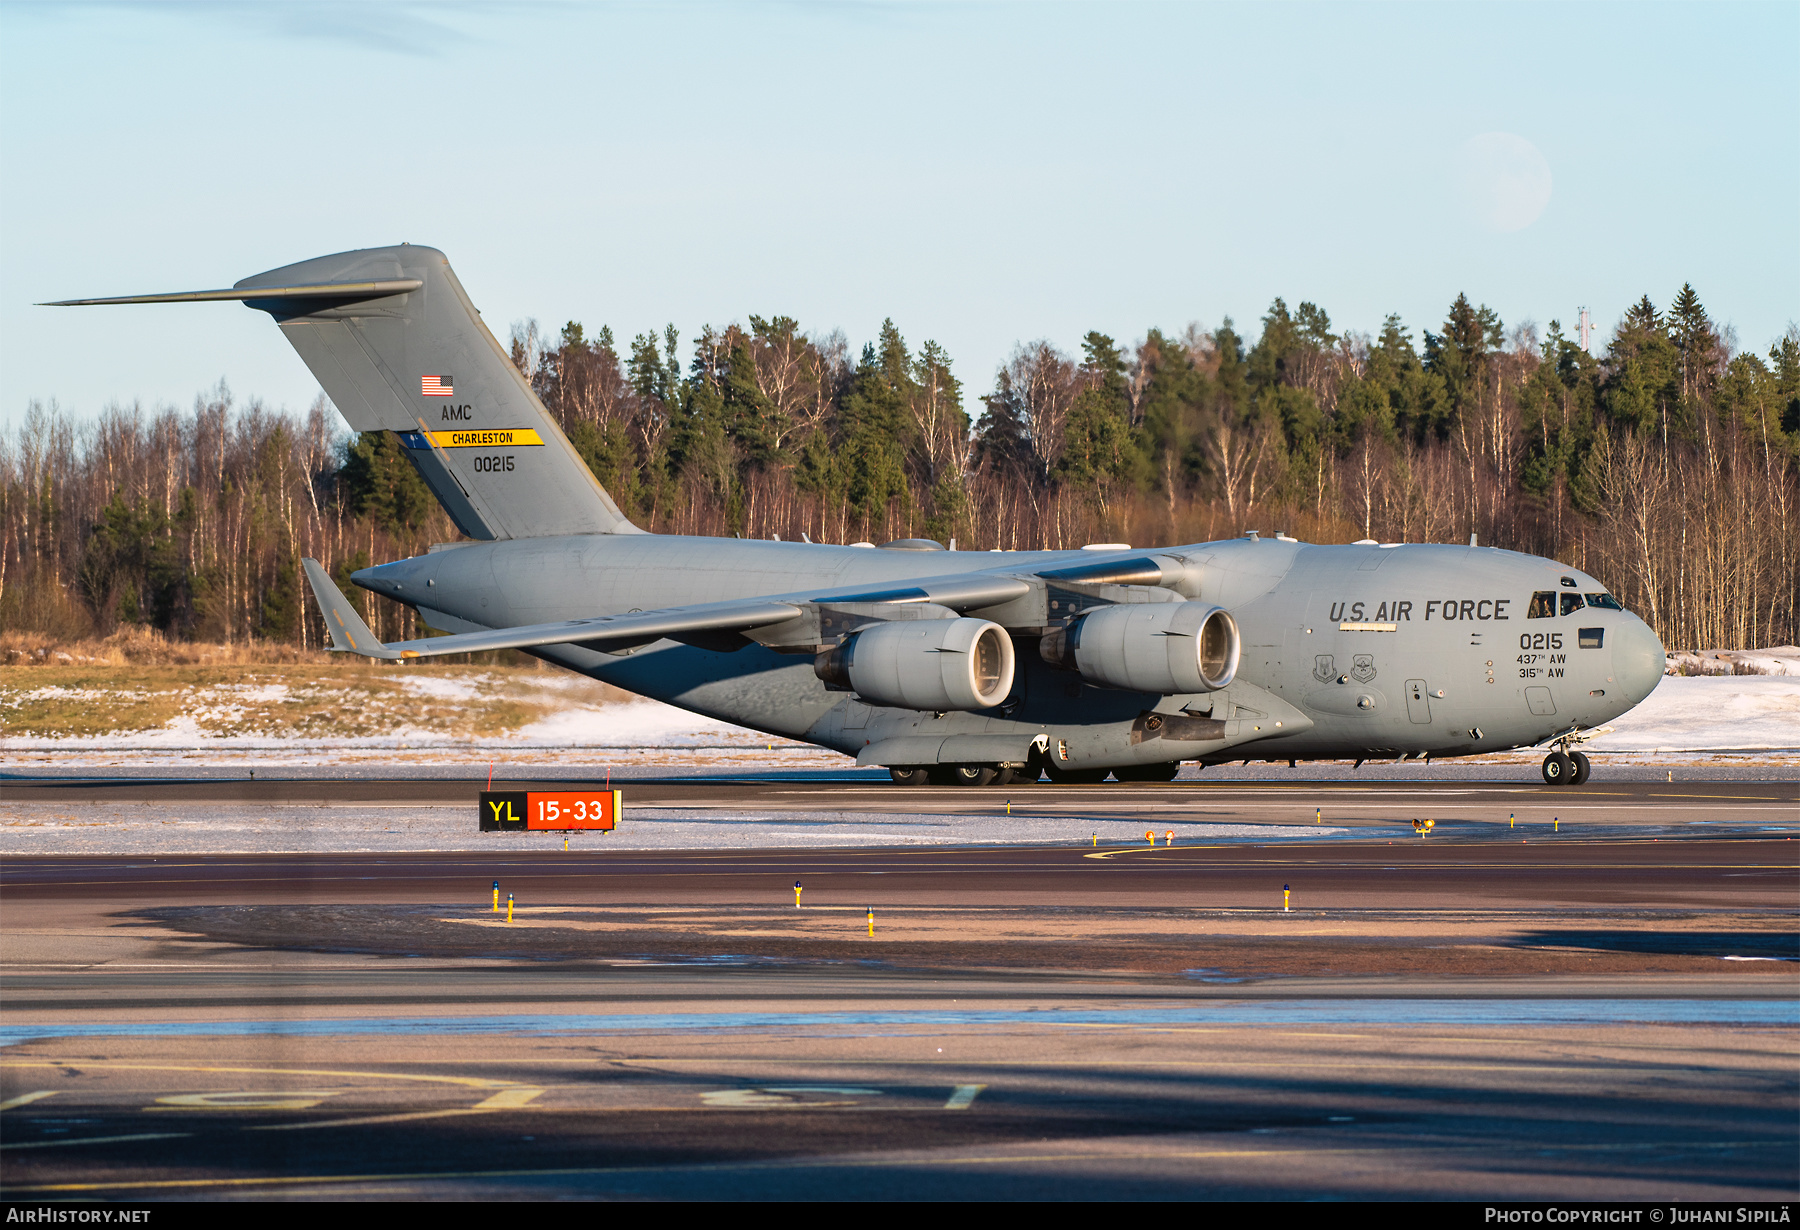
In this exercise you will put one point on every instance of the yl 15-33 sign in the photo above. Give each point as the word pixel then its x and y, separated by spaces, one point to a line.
pixel 509 810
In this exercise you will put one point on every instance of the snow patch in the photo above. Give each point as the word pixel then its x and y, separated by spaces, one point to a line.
pixel 1710 713
pixel 437 687
pixel 1779 660
pixel 638 723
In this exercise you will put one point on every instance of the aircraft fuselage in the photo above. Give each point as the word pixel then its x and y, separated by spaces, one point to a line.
pixel 1357 651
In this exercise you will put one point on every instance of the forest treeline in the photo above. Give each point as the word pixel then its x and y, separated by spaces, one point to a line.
pixel 1669 466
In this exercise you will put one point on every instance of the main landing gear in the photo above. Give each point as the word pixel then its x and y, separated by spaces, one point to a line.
pixel 961 775
pixel 1000 775
pixel 1566 768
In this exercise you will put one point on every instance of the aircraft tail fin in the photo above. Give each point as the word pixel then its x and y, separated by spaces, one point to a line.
pixel 397 345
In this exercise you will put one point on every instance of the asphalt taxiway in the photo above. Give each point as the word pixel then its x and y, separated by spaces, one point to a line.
pixel 1604 1009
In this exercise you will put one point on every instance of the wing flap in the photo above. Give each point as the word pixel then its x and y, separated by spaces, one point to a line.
pixel 959 591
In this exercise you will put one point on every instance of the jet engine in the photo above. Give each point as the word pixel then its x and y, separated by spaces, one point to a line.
pixel 1167 648
pixel 927 664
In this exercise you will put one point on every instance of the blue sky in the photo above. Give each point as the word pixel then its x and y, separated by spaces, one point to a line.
pixel 982 173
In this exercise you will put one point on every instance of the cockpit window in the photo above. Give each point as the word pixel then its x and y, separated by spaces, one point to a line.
pixel 1571 603
pixel 1605 602
pixel 1543 605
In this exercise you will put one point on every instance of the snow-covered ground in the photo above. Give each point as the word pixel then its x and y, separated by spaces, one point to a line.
pixel 1781 660
pixel 1688 714
pixel 1683 717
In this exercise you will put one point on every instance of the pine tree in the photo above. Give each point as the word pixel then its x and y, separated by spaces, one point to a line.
pixel 1694 338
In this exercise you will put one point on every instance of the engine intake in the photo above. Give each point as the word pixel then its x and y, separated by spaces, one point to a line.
pixel 1167 648
pixel 926 664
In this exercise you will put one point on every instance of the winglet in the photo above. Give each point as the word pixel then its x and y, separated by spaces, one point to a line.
pixel 349 634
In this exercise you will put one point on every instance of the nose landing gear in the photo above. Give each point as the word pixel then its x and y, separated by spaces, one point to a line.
pixel 1565 768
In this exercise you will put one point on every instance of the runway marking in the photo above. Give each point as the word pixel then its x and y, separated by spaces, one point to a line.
pixel 402 1117
pixel 846 1163
pixel 96 1140
pixel 764 1097
pixel 26 1099
pixel 509 1099
pixel 964 1097
pixel 297 1099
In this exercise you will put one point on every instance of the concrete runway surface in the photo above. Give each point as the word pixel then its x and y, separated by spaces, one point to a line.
pixel 1606 1012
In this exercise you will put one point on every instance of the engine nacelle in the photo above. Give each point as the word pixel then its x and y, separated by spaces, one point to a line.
pixel 926 664
pixel 1168 648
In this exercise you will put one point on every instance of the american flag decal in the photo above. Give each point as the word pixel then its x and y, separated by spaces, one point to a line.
pixel 436 386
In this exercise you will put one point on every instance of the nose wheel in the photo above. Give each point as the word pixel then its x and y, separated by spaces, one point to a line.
pixel 1566 769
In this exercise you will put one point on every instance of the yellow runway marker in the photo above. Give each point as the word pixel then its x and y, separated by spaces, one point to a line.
pixel 506 1099
pixel 402 1117
pixel 26 1099
pixel 296 1099
pixel 964 1097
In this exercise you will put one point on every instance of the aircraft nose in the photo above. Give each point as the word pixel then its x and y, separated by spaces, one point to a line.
pixel 1638 660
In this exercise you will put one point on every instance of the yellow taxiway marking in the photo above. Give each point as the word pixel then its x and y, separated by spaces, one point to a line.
pixel 26 1099
pixel 506 1099
pixel 964 1097
pixel 404 1117
pixel 838 1163
pixel 295 1099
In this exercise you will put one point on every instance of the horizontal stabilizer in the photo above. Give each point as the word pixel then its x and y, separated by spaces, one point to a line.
pixel 603 633
pixel 350 291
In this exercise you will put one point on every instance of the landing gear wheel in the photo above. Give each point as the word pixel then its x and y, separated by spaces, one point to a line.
pixel 907 777
pixel 1006 776
pixel 1558 769
pixel 971 775
pixel 1582 768
pixel 1149 772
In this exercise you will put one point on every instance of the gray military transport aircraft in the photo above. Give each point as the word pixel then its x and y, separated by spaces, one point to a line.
pixel 948 667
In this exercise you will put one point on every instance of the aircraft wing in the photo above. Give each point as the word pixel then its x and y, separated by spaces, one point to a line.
pixel 607 633
pixel 350 634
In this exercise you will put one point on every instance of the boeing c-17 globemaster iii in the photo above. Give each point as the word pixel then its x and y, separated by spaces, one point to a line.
pixel 943 666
